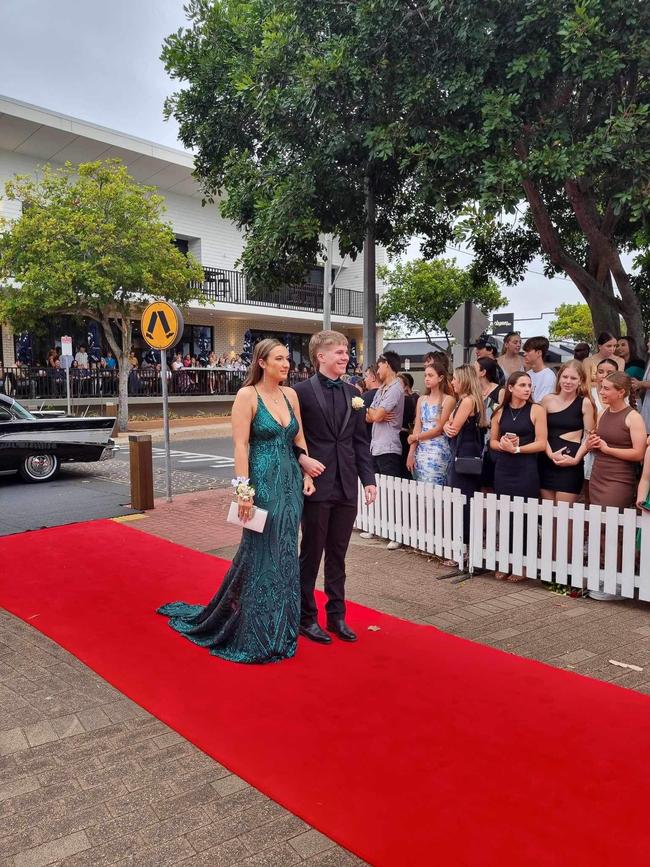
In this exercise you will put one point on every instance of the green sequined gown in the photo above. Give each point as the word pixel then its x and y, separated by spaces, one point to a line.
pixel 254 615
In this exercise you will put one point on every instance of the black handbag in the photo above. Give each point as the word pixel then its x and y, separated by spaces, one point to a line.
pixel 469 465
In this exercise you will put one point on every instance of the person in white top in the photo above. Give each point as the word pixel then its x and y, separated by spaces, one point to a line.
pixel 542 377
pixel 82 357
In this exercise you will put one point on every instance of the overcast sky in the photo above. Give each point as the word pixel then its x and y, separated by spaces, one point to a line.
pixel 99 61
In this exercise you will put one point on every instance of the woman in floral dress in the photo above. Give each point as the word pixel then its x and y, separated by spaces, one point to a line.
pixel 430 453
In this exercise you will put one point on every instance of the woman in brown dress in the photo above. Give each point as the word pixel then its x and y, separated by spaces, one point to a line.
pixel 618 443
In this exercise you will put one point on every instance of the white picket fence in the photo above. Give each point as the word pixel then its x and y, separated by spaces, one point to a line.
pixel 590 548
pixel 418 514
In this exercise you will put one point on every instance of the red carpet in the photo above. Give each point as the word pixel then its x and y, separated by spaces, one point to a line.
pixel 409 748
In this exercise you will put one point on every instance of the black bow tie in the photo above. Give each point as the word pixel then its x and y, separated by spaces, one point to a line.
pixel 333 383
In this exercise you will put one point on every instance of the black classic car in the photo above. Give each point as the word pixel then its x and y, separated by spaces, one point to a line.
pixel 35 444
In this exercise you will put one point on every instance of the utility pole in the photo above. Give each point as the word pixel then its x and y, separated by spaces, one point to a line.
pixel 327 283
pixel 369 279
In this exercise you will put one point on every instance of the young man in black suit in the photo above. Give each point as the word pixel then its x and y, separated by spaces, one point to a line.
pixel 335 430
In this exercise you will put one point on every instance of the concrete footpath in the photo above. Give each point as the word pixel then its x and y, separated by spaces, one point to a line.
pixel 89 778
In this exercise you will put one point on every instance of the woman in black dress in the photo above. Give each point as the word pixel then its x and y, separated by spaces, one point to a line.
pixel 569 414
pixel 492 396
pixel 465 429
pixel 518 435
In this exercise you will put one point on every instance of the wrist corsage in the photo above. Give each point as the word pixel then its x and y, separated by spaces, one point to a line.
pixel 357 403
pixel 243 488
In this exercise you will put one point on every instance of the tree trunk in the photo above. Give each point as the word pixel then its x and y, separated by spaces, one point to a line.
pixel 125 369
pixel 121 354
pixel 369 278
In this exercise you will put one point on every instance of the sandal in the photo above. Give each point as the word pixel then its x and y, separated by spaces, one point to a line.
pixel 502 576
pixel 515 578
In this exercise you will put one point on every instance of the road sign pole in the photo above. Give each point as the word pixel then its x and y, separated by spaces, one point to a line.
pixel 67 389
pixel 467 339
pixel 165 403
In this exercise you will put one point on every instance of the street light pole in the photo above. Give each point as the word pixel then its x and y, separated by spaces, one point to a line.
pixel 327 284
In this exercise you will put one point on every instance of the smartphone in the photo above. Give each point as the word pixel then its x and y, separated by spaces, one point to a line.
pixel 511 436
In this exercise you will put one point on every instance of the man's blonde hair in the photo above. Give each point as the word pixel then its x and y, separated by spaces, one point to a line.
pixel 322 339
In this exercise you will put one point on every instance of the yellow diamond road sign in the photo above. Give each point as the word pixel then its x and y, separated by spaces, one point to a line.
pixel 162 324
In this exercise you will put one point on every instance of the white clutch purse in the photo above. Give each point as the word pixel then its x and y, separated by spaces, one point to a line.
pixel 256 523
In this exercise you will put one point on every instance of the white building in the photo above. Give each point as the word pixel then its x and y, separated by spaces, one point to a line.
pixel 31 137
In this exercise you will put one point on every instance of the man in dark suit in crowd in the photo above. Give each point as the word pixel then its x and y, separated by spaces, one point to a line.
pixel 335 430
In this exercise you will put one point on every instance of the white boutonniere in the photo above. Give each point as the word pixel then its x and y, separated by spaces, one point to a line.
pixel 357 403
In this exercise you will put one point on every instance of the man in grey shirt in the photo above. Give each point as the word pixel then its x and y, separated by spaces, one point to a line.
pixel 386 413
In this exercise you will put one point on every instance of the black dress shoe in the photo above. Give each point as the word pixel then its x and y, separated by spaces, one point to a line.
pixel 341 630
pixel 315 633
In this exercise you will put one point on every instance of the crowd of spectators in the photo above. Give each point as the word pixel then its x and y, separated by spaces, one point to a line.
pixel 511 425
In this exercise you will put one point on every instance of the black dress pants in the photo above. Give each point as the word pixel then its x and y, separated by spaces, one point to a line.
pixel 326 527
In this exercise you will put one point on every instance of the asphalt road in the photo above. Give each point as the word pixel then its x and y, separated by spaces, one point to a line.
pixel 203 457
pixel 71 497
pixel 84 492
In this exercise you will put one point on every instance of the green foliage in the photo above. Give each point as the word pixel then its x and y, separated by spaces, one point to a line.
pixel 295 110
pixel 572 322
pixel 521 127
pixel 423 296
pixel 90 242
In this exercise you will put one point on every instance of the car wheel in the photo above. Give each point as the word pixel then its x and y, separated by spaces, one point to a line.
pixel 39 468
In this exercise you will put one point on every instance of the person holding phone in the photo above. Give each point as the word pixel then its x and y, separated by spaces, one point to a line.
pixel 570 415
pixel 517 436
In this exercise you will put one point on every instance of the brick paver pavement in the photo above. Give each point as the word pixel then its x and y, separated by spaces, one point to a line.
pixel 89 778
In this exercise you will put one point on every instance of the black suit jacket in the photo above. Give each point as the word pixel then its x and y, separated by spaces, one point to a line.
pixel 344 451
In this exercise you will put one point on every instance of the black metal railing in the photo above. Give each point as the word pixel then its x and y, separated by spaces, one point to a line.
pixel 43 383
pixel 233 288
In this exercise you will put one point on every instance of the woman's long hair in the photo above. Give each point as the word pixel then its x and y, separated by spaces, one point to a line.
pixel 622 382
pixel 261 352
pixel 443 372
pixel 583 389
pixel 512 380
pixel 468 380
pixel 491 368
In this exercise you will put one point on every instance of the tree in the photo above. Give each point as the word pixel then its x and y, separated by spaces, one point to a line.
pixel 422 296
pixel 519 126
pixel 300 113
pixel 572 322
pixel 540 134
pixel 90 242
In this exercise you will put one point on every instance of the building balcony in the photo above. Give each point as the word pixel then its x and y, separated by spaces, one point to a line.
pixel 231 287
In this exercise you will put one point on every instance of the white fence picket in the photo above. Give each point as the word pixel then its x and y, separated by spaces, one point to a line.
pixel 577 564
pixel 457 503
pixel 593 547
pixel 644 559
pixel 503 539
pixel 477 511
pixel 429 544
pixel 531 532
pixel 611 550
pixel 628 553
pixel 546 511
pixel 517 533
pixel 437 521
pixel 490 531
pixel 561 557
